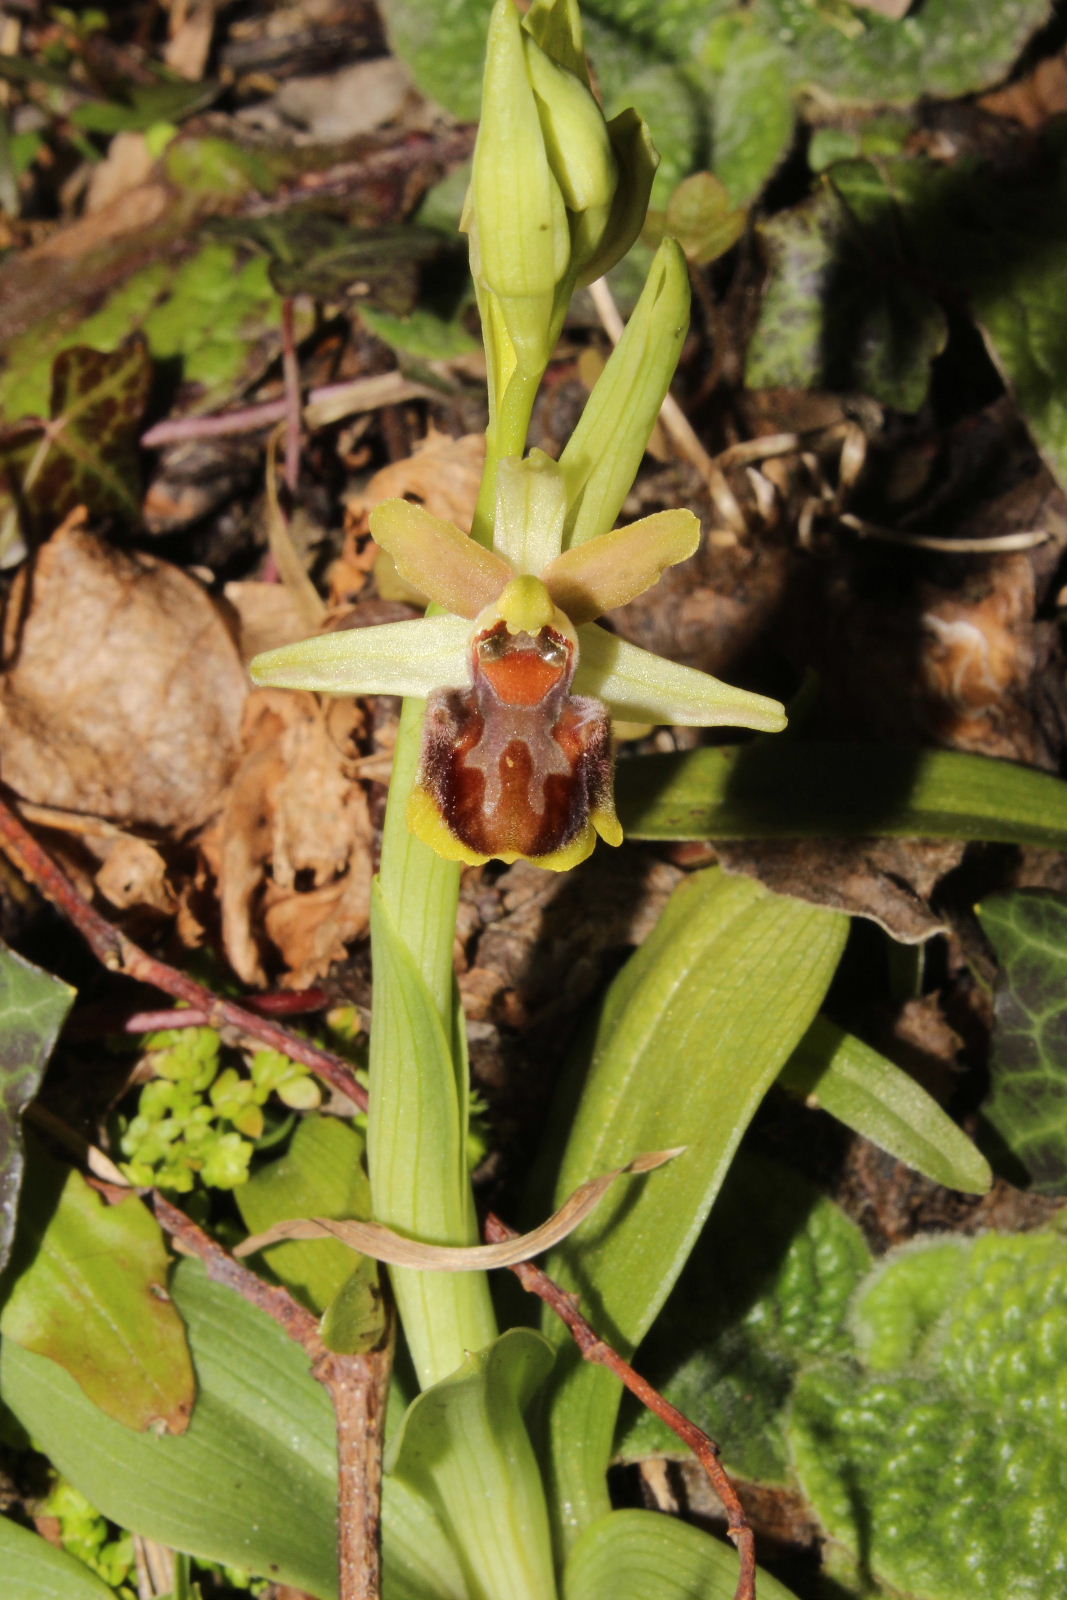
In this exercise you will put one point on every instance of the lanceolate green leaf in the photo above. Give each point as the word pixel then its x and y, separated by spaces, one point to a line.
pixel 88 1289
pixel 793 789
pixel 33 1006
pixel 1027 1105
pixel 764 1294
pixel 253 1482
pixel 861 1088
pixel 33 1569
pixel 465 1439
pixel 639 1555
pixel 695 1030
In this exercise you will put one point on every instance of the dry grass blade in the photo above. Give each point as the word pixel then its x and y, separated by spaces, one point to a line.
pixel 374 1239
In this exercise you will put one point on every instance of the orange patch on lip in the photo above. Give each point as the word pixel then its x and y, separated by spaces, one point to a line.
pixel 522 677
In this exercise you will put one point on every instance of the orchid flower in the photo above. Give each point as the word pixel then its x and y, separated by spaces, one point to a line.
pixel 521 684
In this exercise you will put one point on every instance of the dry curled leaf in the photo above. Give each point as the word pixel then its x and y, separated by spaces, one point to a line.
pixel 123 691
pixel 443 474
pixel 292 849
pixel 374 1239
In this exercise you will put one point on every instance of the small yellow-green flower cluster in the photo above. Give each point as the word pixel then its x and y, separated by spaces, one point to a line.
pixel 199 1120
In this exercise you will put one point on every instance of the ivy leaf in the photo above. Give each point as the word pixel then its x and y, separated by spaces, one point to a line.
pixel 843 309
pixel 88 1290
pixel 33 1008
pixel 765 1292
pixel 936 1455
pixel 1027 1105
pixel 945 48
pixel 87 453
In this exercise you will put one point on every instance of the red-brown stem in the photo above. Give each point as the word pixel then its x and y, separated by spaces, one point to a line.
pixel 595 1349
pixel 291 381
pixel 357 1386
pixel 120 954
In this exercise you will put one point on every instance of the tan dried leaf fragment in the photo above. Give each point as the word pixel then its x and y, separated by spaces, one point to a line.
pixel 123 690
pixel 292 849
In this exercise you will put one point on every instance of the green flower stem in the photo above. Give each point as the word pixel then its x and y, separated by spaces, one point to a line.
pixel 416 1138
pixel 505 436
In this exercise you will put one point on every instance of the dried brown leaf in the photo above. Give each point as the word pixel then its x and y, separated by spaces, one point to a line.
pixel 374 1239
pixel 124 689
pixel 292 851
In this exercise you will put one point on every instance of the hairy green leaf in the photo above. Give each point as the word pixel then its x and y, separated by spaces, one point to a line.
pixel 943 48
pixel 938 1458
pixel 694 1031
pixel 464 1438
pixel 33 1008
pixel 88 1289
pixel 638 1555
pixel 1027 1105
pixel 253 1481
pixel 765 1292
pixel 35 1570
pixel 861 1088
pixel 794 789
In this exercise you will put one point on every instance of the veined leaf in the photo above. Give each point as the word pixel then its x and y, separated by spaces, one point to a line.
pixel 639 1555
pixel 87 453
pixel 694 1031
pixel 33 1007
pixel 861 1088
pixel 88 1290
pixel 793 789
pixel 253 1482
pixel 1028 1066
pixel 35 1570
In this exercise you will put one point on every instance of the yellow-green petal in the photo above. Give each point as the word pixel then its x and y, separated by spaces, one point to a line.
pixel 616 567
pixel 393 658
pixel 641 687
pixel 438 559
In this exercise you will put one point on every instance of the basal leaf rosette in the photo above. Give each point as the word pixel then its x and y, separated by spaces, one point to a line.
pixel 521 684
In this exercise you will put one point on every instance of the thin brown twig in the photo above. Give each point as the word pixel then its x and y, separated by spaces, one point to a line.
pixel 120 954
pixel 595 1349
pixel 357 1386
